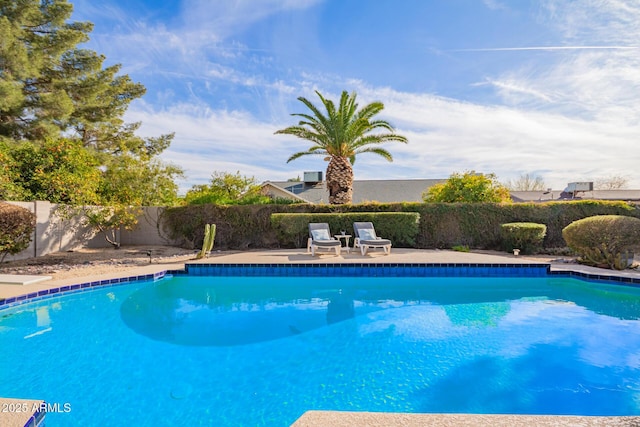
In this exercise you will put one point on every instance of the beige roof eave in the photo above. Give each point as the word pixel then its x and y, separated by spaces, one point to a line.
pixel 285 191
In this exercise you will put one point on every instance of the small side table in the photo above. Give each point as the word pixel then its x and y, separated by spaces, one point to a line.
pixel 346 238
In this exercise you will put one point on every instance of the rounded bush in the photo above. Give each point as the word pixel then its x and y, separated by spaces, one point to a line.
pixel 16 229
pixel 526 236
pixel 602 240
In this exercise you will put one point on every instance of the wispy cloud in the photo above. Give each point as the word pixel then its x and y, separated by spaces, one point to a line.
pixel 611 22
pixel 227 17
pixel 546 48
pixel 494 4
pixel 198 44
pixel 591 75
pixel 515 91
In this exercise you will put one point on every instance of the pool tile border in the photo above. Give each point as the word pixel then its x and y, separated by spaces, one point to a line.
pixel 367 270
pixel 80 287
pixel 37 419
pixel 600 278
pixel 329 270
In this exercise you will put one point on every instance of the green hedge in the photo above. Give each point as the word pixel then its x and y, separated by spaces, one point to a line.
pixel 399 227
pixel 441 225
pixel 477 225
pixel 237 227
pixel 526 236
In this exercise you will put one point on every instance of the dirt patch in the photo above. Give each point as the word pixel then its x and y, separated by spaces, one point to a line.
pixel 82 262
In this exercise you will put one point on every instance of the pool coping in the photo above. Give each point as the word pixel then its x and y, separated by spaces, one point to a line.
pixel 22 412
pixel 390 419
pixel 55 291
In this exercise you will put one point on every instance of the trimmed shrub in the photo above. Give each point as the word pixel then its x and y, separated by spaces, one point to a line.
pixel 399 227
pixel 603 240
pixel 16 229
pixel 526 236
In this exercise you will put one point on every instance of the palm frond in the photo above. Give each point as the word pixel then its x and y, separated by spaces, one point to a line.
pixel 375 139
pixel 342 131
pixel 380 124
pixel 370 110
pixel 312 151
pixel 303 133
pixel 318 119
pixel 376 150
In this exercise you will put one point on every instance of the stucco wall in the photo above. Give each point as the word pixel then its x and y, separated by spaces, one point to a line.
pixel 148 230
pixel 58 231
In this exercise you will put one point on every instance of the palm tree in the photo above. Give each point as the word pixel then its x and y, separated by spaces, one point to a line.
pixel 340 135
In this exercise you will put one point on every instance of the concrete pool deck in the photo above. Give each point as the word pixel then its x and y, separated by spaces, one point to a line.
pixel 362 419
pixel 286 256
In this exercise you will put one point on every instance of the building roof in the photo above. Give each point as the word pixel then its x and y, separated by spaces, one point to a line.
pixel 410 190
pixel 378 190
pixel 545 196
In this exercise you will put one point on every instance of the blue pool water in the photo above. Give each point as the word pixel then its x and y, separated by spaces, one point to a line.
pixel 251 351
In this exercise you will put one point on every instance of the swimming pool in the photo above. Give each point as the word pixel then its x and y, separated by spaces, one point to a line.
pixel 202 349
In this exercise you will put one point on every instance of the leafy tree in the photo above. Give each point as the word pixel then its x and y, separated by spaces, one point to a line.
pixel 109 219
pixel 128 183
pixel 34 35
pixel 227 189
pixel 49 86
pixel 37 44
pixel 57 170
pixel 339 135
pixel 9 190
pixel 61 119
pixel 135 181
pixel 527 182
pixel 469 187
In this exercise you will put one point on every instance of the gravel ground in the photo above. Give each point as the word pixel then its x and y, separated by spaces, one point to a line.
pixel 81 262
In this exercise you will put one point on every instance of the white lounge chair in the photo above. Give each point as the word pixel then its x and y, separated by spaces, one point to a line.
pixel 320 238
pixel 365 238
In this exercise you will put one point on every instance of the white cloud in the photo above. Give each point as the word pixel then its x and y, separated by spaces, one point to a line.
pixel 207 140
pixel 445 136
pixel 573 116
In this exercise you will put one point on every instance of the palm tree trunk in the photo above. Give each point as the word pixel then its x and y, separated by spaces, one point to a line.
pixel 340 180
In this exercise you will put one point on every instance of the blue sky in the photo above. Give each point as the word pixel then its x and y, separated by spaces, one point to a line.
pixel 547 87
